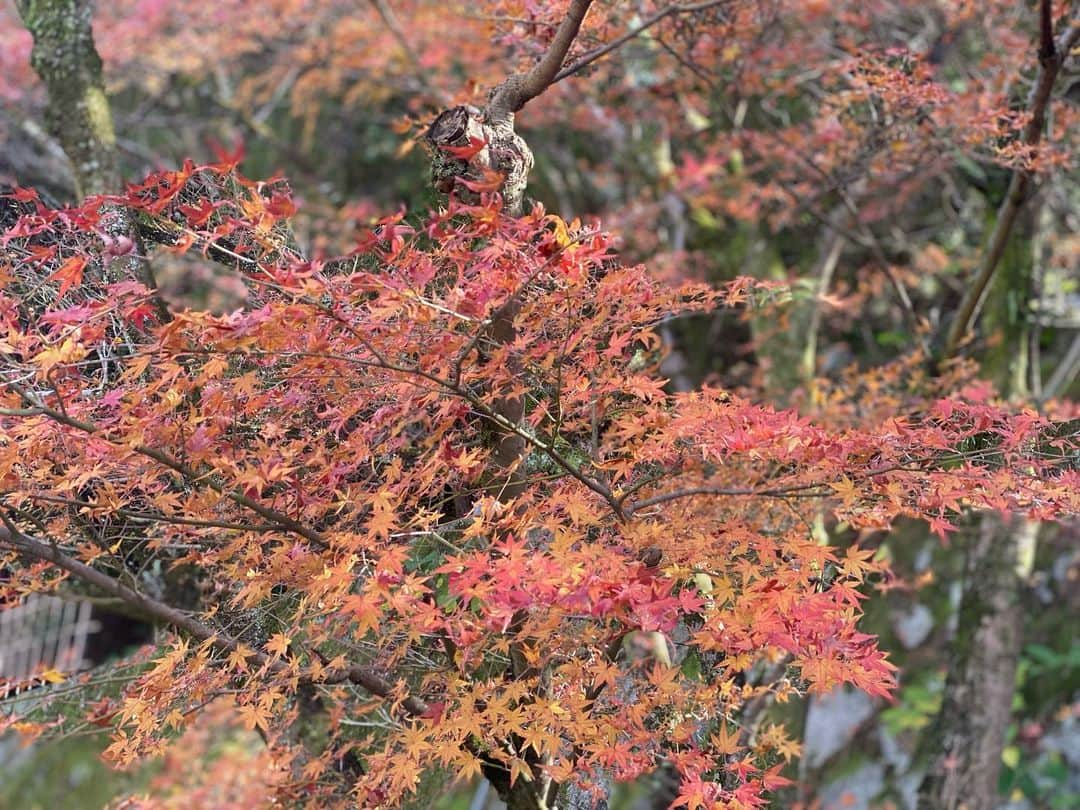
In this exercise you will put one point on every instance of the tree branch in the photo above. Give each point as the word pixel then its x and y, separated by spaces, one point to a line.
pixel 45 551
pixel 618 42
pixel 521 88
pixel 281 520
pixel 1052 57
pixel 390 20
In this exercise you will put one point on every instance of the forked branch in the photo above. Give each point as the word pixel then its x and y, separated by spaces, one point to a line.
pixel 521 88
pixel 1052 57
pixel 603 50
pixel 40 549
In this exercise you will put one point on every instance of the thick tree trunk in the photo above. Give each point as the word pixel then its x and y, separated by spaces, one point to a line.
pixel 503 151
pixel 78 115
pixel 966 740
pixel 965 744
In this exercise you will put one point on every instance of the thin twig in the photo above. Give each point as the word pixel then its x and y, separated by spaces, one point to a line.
pixel 636 31
pixel 519 89
pixel 419 72
pixel 42 550
pixel 198 479
pixel 1052 57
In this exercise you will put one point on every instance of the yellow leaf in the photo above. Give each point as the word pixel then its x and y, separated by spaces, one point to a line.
pixel 278 644
pixel 238 658
pixel 520 768
pixel 847 490
pixel 470 768
pixel 175 718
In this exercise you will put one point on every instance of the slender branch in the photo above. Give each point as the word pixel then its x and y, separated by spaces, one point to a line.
pixel 503 310
pixel 604 50
pixel 827 266
pixel 194 477
pixel 519 89
pixel 863 235
pixel 377 685
pixel 545 446
pixel 886 267
pixel 753 713
pixel 813 489
pixel 1065 373
pixel 47 552
pixel 1052 57
pixel 157 517
pixel 784 493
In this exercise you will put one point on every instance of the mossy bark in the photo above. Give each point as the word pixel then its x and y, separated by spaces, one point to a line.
pixel 78 112
pixel 78 115
pixel 964 746
pixel 965 742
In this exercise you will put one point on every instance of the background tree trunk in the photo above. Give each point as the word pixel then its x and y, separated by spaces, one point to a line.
pixel 970 729
pixel 78 112
pixel 78 115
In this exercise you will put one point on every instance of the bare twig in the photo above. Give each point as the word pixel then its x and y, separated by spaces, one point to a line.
pixel 1065 373
pixel 157 517
pixel 636 31
pixel 391 21
pixel 800 491
pixel 826 269
pixel 283 521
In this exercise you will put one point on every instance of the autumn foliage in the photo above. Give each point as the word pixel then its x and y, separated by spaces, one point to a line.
pixel 433 498
pixel 325 461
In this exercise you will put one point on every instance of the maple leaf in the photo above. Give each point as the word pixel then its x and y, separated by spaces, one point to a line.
pixel 473 147
pixel 254 715
pixel 330 456
pixel 519 768
pixel 237 659
pixel 469 767
pixel 228 158
pixel 383 518
pixel 490 180
pixel 198 215
pixel 278 644
pixel 942 527
pixel 725 741
pixel 847 490
pixel 772 780
pixel 69 274
pixel 65 353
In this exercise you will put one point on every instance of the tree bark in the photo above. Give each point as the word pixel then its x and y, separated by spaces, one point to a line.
pixel 78 115
pixel 963 748
pixel 1052 56
pixel 78 112
pixel 969 731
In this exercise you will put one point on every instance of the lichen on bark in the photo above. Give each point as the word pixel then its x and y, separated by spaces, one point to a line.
pixel 964 744
pixel 78 115
pixel 65 58
pixel 503 151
